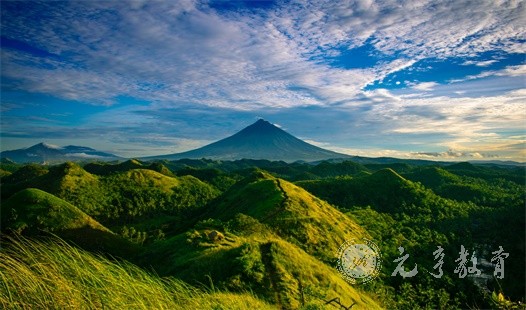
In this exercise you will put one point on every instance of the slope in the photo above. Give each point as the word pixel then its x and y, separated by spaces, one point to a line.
pixel 33 212
pixel 140 198
pixel 277 271
pixel 55 275
pixel 67 181
pixel 292 212
pixel 261 140
pixel 491 192
pixel 103 169
pixel 385 189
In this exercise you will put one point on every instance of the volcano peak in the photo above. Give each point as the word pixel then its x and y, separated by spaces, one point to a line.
pixel 260 140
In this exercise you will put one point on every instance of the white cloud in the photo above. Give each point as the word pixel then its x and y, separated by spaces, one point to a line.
pixel 425 86
pixel 186 51
pixel 510 71
pixel 485 63
pixel 84 155
pixel 186 54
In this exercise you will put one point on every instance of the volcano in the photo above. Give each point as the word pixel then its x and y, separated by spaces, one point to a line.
pixel 49 153
pixel 261 140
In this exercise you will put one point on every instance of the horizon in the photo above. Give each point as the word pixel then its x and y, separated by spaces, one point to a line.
pixel 431 81
pixel 54 146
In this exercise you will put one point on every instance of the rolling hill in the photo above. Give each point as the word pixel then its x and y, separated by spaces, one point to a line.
pixel 280 242
pixel 293 213
pixel 242 226
pixel 123 198
pixel 260 262
pixel 52 274
pixel 33 212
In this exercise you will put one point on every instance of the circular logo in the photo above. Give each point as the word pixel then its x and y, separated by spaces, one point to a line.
pixel 359 261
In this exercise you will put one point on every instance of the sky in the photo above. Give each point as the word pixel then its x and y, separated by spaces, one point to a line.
pixel 439 80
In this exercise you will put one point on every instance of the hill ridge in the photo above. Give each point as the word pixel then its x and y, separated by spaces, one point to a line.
pixel 292 212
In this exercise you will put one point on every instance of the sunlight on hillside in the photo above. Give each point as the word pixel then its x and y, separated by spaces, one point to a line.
pixel 54 275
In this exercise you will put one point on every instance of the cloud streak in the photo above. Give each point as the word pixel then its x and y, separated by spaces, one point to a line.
pixel 200 72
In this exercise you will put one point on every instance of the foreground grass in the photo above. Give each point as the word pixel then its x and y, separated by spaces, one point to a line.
pixel 55 275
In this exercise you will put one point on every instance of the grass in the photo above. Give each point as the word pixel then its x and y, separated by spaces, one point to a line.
pixel 55 275
pixel 34 209
pixel 294 214
pixel 275 270
pixel 34 212
pixel 122 198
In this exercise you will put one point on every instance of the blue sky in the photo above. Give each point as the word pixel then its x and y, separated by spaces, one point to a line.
pixel 440 80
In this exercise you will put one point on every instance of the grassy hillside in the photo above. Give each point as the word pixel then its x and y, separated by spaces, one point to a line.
pixel 54 275
pixel 233 227
pixel 492 192
pixel 293 213
pixel 107 169
pixel 144 200
pixel 33 212
pixel 66 181
pixel 385 189
pixel 260 261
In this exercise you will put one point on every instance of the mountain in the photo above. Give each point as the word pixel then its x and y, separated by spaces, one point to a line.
pixel 261 140
pixel 48 153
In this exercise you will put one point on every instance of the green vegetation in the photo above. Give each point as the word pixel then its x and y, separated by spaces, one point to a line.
pixel 220 229
pixel 251 256
pixel 294 214
pixel 33 210
pixel 55 275
pixel 145 200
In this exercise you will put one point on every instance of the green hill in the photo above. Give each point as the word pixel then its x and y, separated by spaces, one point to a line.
pixel 72 183
pixel 212 176
pixel 103 169
pixel 4 173
pixel 293 213
pixel 16 180
pixel 263 263
pixel 33 209
pixel 327 169
pixel 33 212
pixel 8 165
pixel 384 189
pixel 227 226
pixel 432 177
pixel 140 198
pixel 145 193
pixel 61 180
pixel 513 173
pixel 271 229
pixel 493 192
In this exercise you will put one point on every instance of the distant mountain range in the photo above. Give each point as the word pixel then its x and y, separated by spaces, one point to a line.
pixel 48 153
pixel 261 140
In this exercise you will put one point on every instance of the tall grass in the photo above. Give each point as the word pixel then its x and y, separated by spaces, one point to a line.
pixel 54 275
